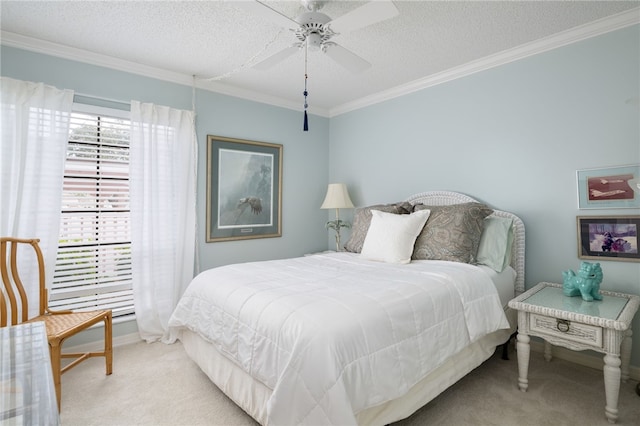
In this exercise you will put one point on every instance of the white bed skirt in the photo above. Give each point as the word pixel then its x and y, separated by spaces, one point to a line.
pixel 252 396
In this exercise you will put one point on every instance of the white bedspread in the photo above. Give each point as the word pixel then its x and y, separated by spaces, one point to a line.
pixel 333 334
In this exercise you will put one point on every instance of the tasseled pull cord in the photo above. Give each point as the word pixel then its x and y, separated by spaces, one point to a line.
pixel 305 127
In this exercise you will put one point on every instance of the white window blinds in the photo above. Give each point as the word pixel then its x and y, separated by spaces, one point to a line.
pixel 93 266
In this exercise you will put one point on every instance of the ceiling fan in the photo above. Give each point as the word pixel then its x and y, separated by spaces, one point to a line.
pixel 315 30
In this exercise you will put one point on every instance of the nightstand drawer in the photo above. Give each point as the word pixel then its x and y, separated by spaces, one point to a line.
pixel 569 330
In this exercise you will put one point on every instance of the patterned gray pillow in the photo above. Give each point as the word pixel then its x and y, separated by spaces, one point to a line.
pixel 362 220
pixel 452 232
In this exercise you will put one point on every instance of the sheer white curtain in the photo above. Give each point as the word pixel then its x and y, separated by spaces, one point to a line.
pixel 163 165
pixel 35 131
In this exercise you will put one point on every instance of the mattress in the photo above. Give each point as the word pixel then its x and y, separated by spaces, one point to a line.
pixel 253 396
pixel 503 281
pixel 289 324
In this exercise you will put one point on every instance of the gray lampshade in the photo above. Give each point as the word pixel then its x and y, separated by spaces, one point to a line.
pixel 337 197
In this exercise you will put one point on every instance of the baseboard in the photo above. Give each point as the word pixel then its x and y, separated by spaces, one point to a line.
pixel 98 345
pixel 582 358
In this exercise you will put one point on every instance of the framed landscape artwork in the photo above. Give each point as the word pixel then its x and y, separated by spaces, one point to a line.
pixel 244 189
pixel 608 237
pixel 608 187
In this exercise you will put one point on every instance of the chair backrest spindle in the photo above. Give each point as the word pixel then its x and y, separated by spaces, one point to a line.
pixel 13 289
pixel 5 282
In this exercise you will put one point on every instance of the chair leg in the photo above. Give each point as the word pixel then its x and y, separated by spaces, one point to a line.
pixel 56 366
pixel 108 344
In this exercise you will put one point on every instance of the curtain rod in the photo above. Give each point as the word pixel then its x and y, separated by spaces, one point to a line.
pixel 100 98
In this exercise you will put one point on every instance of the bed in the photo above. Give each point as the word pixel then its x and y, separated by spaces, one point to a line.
pixel 350 338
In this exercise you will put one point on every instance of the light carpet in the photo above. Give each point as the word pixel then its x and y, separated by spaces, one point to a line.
pixel 157 384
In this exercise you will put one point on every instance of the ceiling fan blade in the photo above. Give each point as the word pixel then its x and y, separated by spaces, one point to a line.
pixel 346 58
pixel 276 58
pixel 260 9
pixel 370 13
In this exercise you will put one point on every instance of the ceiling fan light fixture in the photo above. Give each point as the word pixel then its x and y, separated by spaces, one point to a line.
pixel 313 5
pixel 314 41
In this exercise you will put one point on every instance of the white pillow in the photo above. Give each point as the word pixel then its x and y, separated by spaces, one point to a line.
pixel 391 237
pixel 496 242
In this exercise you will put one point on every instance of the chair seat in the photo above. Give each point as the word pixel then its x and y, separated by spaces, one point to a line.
pixel 61 326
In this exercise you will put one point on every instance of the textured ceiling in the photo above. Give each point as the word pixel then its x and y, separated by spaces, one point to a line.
pixel 212 39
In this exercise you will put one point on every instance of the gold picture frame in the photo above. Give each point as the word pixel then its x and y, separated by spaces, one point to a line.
pixel 244 189
pixel 608 237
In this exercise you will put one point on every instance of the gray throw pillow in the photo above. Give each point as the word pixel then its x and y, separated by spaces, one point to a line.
pixel 452 232
pixel 362 220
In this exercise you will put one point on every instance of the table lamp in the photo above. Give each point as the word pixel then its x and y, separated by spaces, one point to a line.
pixel 337 198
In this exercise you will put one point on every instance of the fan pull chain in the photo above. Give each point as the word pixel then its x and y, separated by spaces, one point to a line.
pixel 305 126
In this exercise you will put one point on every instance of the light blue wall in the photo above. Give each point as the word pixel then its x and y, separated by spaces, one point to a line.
pixel 305 174
pixel 305 154
pixel 513 137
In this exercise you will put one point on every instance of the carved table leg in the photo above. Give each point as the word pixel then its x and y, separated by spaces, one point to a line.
pixel 625 354
pixel 523 361
pixel 611 386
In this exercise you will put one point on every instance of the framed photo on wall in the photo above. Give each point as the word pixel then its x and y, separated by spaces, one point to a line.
pixel 608 237
pixel 244 189
pixel 607 188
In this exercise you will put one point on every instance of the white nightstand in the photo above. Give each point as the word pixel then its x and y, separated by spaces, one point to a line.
pixel 603 326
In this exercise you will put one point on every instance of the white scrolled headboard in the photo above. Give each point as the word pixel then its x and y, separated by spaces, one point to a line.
pixel 447 198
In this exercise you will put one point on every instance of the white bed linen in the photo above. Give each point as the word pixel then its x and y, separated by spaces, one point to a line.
pixel 318 330
pixel 253 396
pixel 504 283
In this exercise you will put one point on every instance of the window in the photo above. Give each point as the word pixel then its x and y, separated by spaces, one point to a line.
pixel 93 265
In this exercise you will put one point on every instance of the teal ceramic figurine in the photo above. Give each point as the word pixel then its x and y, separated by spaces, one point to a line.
pixel 585 283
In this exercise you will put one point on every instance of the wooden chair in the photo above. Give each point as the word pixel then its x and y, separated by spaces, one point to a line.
pixel 59 324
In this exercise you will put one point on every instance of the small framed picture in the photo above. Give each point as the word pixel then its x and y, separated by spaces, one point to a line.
pixel 608 188
pixel 608 237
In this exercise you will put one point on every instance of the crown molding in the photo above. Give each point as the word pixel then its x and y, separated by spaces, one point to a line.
pixel 88 57
pixel 573 35
pixel 79 55
pixel 602 26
